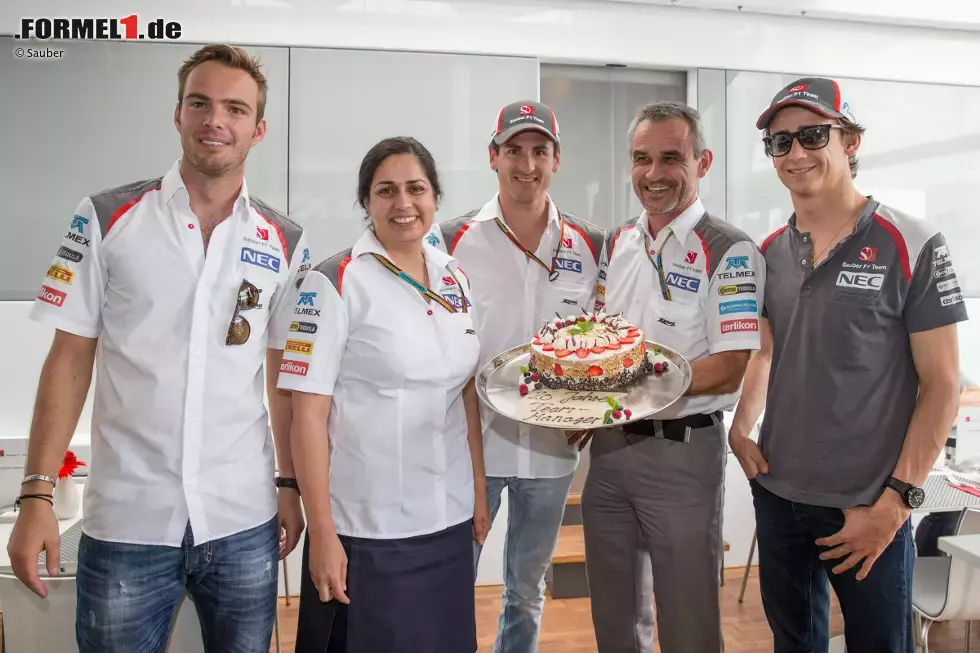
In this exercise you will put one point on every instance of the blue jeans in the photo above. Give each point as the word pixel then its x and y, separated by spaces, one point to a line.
pixel 535 509
pixel 794 581
pixel 128 593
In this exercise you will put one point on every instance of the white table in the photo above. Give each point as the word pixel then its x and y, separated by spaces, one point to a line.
pixel 962 547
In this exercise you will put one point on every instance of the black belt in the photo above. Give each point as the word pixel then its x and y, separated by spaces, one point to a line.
pixel 672 429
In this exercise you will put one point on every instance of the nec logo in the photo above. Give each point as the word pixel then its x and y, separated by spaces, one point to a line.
pixel 263 234
pixel 691 257
pixel 797 89
pixel 868 254
pixel 306 299
pixel 294 367
pixel 733 326
pixel 737 262
pixel 449 281
pixel 527 110
pixel 568 264
pixel 78 223
pixel 861 280
pixel 684 283
pixel 455 300
pixel 567 243
pixel 260 259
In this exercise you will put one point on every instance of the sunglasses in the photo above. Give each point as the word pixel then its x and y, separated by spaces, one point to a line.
pixel 239 330
pixel 814 137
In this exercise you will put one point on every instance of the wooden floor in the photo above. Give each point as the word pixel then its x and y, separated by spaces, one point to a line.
pixel 567 624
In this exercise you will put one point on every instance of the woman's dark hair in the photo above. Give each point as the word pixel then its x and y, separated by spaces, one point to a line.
pixel 390 147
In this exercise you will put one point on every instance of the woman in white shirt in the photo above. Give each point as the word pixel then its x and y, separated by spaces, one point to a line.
pixel 381 367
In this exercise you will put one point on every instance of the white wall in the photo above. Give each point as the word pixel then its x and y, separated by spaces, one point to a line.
pixel 637 34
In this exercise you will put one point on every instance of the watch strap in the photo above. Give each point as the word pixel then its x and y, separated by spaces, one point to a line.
pixel 285 481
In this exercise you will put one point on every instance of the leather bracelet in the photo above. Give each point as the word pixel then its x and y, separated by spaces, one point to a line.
pixel 39 477
pixel 285 481
pixel 46 497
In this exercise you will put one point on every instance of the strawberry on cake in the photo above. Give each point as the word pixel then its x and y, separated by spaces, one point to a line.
pixel 588 352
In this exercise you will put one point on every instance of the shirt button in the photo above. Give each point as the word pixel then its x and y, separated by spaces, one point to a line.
pixel 430 311
pixel 803 261
pixel 197 350
pixel 805 239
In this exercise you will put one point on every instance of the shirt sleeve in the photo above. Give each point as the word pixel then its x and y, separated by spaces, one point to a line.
pixel 318 338
pixel 736 294
pixel 285 300
pixel 73 291
pixel 934 299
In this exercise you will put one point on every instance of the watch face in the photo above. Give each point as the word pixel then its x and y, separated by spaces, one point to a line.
pixel 915 497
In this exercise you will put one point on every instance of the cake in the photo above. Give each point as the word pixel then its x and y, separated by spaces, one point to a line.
pixel 592 352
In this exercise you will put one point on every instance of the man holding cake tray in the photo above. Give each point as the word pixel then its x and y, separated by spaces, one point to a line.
pixel 528 262
pixel 652 503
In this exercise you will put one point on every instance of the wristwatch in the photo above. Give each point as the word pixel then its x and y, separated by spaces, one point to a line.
pixel 912 496
pixel 282 481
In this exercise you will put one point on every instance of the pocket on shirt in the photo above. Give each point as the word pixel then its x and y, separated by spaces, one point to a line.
pixel 567 298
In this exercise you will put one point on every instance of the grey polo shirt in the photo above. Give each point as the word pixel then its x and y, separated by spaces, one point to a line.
pixel 843 385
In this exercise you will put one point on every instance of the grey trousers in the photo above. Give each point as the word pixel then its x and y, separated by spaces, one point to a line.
pixel 652 511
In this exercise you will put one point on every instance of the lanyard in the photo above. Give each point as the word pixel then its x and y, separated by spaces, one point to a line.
pixel 553 270
pixel 658 264
pixel 425 292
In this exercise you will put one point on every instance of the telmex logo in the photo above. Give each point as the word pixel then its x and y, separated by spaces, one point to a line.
pixel 52 296
pixel 306 298
pixel 58 273
pixel 731 326
pixel 737 262
pixel 96 28
pixel 300 346
pixel 78 223
pixel 302 327
pixel 861 280
pixel 294 367
pixel 736 290
pixel 81 240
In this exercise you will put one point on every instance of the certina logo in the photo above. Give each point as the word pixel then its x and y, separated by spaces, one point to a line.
pixel 691 257
pixel 741 288
pixel 733 326
pixel 69 254
pixel 949 300
pixel 52 296
pixel 664 320
pixel 737 263
pixel 300 347
pixel 302 327
pixel 868 254
pixel 568 264
pixel 862 280
pixel 946 286
pixel 945 272
pixel 689 284
pixel 81 240
pixel 741 306
pixel 260 259
pixel 97 28
pixel 294 367
pixel 58 273
pixel 262 234
pixel 78 223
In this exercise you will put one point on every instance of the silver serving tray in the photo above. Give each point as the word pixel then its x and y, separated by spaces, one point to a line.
pixel 497 384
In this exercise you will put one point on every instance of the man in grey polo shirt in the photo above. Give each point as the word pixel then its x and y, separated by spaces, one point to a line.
pixel 860 354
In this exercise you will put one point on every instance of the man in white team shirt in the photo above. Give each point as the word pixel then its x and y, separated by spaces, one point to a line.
pixel 526 261
pixel 184 285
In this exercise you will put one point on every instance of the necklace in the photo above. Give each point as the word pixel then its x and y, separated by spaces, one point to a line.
pixel 813 259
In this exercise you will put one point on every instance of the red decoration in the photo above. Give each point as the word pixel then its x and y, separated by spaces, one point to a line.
pixel 69 465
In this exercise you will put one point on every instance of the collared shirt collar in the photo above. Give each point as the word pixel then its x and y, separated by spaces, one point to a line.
pixel 681 226
pixel 368 243
pixel 492 209
pixel 173 185
pixel 867 213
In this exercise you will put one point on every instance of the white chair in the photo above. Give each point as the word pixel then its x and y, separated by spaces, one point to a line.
pixel 946 589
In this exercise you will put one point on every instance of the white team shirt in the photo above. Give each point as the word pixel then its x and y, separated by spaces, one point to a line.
pixel 395 367
pixel 716 277
pixel 514 297
pixel 179 427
